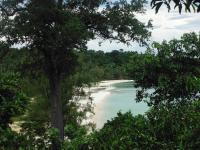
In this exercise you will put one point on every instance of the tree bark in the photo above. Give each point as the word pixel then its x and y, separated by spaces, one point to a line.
pixel 60 3
pixel 56 109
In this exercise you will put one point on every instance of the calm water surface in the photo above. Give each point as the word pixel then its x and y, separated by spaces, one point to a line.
pixel 121 98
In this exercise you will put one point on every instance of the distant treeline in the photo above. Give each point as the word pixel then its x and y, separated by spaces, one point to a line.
pixel 117 64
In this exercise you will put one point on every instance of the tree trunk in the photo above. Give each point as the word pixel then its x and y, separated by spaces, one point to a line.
pixel 56 109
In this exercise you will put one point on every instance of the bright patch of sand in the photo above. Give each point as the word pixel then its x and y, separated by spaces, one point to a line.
pixel 99 93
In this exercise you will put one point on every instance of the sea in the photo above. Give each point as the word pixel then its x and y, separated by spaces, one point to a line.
pixel 121 98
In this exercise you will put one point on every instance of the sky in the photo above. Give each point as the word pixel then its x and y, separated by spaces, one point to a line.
pixel 166 26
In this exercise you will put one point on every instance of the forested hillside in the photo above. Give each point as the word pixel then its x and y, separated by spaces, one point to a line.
pixel 45 65
pixel 117 64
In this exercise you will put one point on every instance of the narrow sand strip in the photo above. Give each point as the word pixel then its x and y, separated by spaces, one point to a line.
pixel 99 97
pixel 103 90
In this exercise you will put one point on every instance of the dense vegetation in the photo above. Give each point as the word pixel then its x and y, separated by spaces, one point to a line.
pixel 173 122
pixel 99 65
pixel 170 68
pixel 41 81
pixel 51 31
pixel 176 128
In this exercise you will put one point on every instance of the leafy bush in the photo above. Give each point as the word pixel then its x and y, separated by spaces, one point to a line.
pixel 12 103
pixel 162 128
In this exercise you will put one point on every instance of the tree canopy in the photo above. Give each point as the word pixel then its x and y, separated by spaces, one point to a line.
pixel 52 63
pixel 173 72
pixel 51 30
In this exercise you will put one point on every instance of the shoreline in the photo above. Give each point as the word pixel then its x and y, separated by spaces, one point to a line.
pixel 99 93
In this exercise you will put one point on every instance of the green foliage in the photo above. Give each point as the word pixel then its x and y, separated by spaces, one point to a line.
pixel 12 101
pixel 10 140
pixel 173 72
pixel 35 124
pixel 136 63
pixel 80 138
pixel 98 65
pixel 124 132
pixel 172 68
pixel 52 31
pixel 189 5
pixel 175 128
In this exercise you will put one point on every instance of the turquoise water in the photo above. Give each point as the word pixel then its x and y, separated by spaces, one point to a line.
pixel 121 98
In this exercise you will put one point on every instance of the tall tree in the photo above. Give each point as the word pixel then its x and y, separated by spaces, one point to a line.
pixel 52 29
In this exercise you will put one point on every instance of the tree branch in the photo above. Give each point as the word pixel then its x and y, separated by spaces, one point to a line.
pixel 60 3
pixel 10 13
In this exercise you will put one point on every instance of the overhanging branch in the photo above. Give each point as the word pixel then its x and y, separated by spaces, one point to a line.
pixel 9 14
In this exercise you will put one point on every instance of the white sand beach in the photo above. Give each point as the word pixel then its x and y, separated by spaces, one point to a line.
pixel 102 90
pixel 99 94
